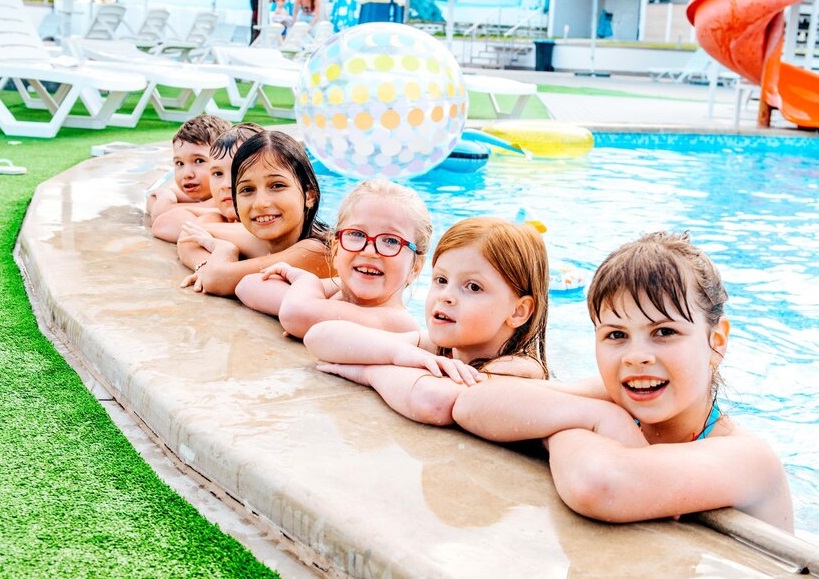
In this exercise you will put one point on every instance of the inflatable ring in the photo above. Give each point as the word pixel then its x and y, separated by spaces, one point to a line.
pixel 466 157
pixel 566 279
pixel 472 151
pixel 544 139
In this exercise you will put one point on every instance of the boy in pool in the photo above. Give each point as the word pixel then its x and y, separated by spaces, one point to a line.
pixel 189 195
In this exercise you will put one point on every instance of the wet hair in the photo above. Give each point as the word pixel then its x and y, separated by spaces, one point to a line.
pixel 229 142
pixel 518 254
pixel 288 153
pixel 658 267
pixel 202 129
pixel 411 204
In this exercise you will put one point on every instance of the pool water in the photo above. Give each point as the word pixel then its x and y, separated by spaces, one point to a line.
pixel 751 203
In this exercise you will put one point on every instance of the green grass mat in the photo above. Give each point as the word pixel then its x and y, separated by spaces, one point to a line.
pixel 76 500
pixel 589 91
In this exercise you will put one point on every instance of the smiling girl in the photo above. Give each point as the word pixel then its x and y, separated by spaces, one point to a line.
pixel 486 311
pixel 382 235
pixel 276 196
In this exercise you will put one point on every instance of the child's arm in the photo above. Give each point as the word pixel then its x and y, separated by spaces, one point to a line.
pixel 602 479
pixel 224 270
pixel 412 392
pixel 345 342
pixel 265 291
pixel 249 245
pixel 195 244
pixel 307 303
pixel 161 199
pixel 168 225
pixel 196 241
pixel 508 408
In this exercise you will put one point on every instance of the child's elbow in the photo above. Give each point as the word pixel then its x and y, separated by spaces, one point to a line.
pixel 431 404
pixel 246 289
pixel 462 411
pixel 593 491
pixel 294 320
pixel 165 229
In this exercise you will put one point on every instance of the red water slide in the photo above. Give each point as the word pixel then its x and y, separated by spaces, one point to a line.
pixel 747 36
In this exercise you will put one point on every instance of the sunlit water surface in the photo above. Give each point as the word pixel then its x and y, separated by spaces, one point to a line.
pixel 755 212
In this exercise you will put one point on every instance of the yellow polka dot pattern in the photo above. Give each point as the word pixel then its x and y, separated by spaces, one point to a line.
pixel 381 99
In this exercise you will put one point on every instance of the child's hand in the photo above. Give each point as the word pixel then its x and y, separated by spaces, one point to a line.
pixel 439 366
pixel 353 372
pixel 285 271
pixel 192 232
pixel 193 280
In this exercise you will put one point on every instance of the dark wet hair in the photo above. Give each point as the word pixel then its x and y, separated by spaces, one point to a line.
pixel 518 253
pixel 659 265
pixel 289 153
pixel 202 129
pixel 229 142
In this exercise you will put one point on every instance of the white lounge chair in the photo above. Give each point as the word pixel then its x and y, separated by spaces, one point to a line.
pixel 195 85
pixel 262 67
pixel 298 37
pixel 493 86
pixel 270 36
pixel 697 71
pixel 151 31
pixel 194 47
pixel 106 21
pixel 26 63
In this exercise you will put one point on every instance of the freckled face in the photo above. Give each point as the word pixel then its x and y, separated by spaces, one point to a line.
pixel 192 169
pixel 271 204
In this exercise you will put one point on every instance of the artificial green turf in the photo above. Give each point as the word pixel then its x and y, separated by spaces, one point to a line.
pixel 76 500
pixel 590 91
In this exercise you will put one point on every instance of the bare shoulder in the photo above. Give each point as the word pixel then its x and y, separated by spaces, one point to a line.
pixel 210 217
pixel 397 320
pixel 522 366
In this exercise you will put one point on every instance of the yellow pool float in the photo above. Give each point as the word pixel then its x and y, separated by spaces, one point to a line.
pixel 544 138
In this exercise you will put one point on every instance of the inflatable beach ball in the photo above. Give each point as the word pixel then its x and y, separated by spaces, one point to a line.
pixel 381 99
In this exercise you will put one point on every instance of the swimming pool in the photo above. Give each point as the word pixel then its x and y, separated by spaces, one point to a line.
pixel 751 202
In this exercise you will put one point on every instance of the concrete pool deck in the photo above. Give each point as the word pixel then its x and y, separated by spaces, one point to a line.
pixel 317 466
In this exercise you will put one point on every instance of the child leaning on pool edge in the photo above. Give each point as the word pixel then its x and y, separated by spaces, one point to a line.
pixel 195 242
pixel 276 195
pixel 658 309
pixel 382 235
pixel 189 195
pixel 487 307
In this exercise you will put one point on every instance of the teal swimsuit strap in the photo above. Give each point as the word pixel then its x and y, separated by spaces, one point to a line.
pixel 711 421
